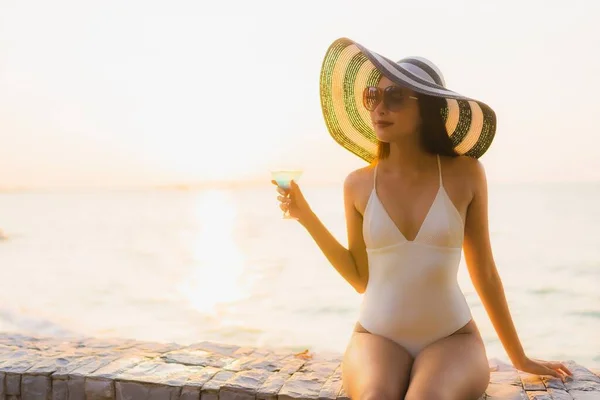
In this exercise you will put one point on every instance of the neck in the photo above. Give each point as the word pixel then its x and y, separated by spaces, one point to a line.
pixel 407 155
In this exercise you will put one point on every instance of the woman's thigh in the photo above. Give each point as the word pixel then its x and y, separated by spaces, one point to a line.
pixel 374 367
pixel 457 366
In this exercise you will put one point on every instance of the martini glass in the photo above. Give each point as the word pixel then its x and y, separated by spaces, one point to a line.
pixel 283 177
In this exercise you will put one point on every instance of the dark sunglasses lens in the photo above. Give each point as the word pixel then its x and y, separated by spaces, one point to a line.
pixel 393 98
pixel 370 98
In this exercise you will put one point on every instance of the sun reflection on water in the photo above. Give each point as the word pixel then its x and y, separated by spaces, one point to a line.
pixel 216 278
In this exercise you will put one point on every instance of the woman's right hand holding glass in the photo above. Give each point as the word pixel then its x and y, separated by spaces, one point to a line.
pixel 292 202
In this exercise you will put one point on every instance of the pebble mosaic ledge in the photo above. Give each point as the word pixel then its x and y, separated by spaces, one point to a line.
pixel 103 369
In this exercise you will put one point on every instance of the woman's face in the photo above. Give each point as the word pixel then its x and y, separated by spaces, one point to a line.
pixel 403 121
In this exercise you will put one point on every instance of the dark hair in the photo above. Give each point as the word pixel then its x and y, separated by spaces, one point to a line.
pixel 434 136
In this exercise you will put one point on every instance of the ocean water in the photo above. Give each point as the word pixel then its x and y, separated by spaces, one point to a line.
pixel 222 265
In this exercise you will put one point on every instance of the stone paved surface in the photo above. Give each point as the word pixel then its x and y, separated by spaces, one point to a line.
pixel 103 369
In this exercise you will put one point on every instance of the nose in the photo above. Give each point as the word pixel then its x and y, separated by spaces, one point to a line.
pixel 380 109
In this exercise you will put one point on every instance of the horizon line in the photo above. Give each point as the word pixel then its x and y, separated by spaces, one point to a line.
pixel 231 184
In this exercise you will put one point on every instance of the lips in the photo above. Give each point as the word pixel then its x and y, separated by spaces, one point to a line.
pixel 383 124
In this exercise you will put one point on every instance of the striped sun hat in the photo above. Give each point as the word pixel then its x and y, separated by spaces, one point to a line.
pixel 349 67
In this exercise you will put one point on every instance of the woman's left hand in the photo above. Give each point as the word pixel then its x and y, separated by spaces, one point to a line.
pixel 540 367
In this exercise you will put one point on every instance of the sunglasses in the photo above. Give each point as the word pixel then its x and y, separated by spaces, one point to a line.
pixel 394 97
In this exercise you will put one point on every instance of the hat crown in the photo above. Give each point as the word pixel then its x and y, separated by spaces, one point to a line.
pixel 424 69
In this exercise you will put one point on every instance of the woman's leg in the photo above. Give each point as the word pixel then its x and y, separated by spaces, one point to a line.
pixel 453 368
pixel 374 367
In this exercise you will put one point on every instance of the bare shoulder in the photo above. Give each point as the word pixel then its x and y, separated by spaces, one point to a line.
pixel 357 186
pixel 466 168
pixel 359 177
pixel 464 178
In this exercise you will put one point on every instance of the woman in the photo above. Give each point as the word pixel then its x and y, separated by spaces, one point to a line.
pixel 409 213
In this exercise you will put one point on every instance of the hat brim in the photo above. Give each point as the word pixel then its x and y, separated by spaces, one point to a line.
pixel 349 67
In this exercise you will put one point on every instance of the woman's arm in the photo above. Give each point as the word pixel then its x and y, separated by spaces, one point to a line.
pixel 350 263
pixel 482 269
pixel 487 283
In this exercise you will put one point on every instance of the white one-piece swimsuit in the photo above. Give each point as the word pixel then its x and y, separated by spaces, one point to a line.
pixel 412 296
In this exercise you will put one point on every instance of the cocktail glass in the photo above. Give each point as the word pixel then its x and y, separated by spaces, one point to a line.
pixel 283 177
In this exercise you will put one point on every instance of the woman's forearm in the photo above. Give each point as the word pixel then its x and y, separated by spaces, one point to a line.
pixel 491 292
pixel 339 256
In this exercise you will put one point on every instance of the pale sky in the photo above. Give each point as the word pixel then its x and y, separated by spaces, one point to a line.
pixel 112 93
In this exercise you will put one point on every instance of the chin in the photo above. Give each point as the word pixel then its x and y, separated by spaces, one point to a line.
pixel 382 138
pixel 387 137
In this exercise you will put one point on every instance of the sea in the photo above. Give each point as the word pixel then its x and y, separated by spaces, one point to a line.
pixel 221 264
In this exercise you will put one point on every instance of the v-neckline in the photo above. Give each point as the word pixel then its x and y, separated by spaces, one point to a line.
pixel 437 194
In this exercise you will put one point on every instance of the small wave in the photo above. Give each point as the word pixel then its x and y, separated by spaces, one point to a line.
pixel 591 314
pixel 545 290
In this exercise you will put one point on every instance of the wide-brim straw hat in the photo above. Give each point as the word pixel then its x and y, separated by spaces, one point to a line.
pixel 349 67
